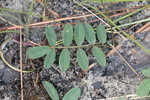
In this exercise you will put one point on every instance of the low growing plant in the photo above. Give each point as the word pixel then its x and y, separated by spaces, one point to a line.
pixel 144 87
pixel 72 94
pixel 79 33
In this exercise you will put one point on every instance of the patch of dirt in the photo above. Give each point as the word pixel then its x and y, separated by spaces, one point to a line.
pixel 115 80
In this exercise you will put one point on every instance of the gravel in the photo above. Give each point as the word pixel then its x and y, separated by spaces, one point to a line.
pixel 115 80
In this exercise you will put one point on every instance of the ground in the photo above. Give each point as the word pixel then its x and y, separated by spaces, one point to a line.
pixel 115 80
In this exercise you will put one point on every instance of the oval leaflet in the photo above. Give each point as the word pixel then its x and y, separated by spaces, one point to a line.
pixel 100 56
pixel 79 33
pixel 52 92
pixel 37 52
pixel 67 34
pixel 72 94
pixel 50 58
pixel 82 59
pixel 89 33
pixel 144 88
pixel 51 36
pixel 101 34
pixel 64 60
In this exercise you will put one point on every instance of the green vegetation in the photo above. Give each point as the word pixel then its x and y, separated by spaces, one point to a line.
pixel 81 31
pixel 144 88
pixel 74 38
pixel 72 94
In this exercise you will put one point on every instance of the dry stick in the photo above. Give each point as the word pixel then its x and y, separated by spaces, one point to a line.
pixel 67 18
pixel 92 13
pixel 47 22
pixel 143 28
pixel 119 14
pixel 21 74
pixel 113 50
pixel 7 21
pixel 3 19
pixel 57 20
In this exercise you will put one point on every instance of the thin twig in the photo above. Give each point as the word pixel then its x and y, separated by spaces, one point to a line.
pixel 47 22
pixel 3 19
pixel 113 50
pixel 4 60
pixel 39 24
pixel 126 62
pixel 21 74
pixel 92 13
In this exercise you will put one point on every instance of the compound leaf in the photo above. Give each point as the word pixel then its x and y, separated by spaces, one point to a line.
pixel 37 52
pixel 89 33
pixel 79 33
pixel 51 36
pixel 73 94
pixel 100 56
pixel 50 58
pixel 64 60
pixel 82 59
pixel 101 34
pixel 50 90
pixel 144 88
pixel 67 34
pixel 146 72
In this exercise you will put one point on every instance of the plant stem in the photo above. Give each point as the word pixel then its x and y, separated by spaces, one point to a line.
pixel 71 47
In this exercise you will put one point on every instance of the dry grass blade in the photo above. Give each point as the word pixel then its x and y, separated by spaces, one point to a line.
pixel 92 13
pixel 7 21
pixel 127 62
pixel 113 50
pixel 47 22
pixel 21 73
pixel 44 23
pixel 4 60
pixel 144 28
pixel 50 10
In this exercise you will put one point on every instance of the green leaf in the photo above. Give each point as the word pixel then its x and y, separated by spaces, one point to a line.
pixel 50 90
pixel 67 34
pixel 50 58
pixel 101 34
pixel 100 56
pixel 37 52
pixel 89 33
pixel 73 94
pixel 146 72
pixel 64 60
pixel 120 98
pixel 82 59
pixel 79 33
pixel 144 88
pixel 51 36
